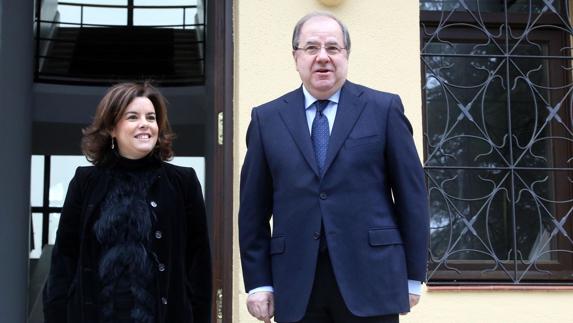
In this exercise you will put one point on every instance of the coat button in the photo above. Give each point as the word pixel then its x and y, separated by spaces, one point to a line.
pixel 158 234
pixel 323 196
pixel 164 300
pixel 153 204
pixel 161 267
pixel 316 235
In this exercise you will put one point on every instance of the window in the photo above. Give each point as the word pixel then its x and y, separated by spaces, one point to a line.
pixel 498 140
pixel 50 176
pixel 106 41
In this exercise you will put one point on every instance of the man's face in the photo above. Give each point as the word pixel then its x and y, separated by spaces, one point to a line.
pixel 322 74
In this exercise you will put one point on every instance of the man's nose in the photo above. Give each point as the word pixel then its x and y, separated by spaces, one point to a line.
pixel 322 54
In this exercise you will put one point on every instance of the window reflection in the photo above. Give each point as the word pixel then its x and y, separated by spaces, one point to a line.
pixel 467 108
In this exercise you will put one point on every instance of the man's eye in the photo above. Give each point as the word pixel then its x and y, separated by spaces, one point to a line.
pixel 312 48
pixel 332 49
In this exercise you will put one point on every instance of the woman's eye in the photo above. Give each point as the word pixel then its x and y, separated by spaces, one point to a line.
pixel 151 118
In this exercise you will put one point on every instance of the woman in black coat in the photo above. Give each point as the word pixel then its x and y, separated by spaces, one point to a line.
pixel 132 243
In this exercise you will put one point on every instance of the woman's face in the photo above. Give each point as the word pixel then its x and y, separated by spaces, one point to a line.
pixel 136 132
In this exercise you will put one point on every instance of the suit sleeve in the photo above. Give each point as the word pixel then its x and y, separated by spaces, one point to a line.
pixel 65 255
pixel 198 254
pixel 408 189
pixel 255 210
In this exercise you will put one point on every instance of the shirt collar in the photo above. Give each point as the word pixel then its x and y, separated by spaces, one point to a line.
pixel 309 99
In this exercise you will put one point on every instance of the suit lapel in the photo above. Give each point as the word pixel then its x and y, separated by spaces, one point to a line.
pixel 350 107
pixel 294 117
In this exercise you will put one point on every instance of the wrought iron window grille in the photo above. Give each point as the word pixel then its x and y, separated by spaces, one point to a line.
pixel 498 140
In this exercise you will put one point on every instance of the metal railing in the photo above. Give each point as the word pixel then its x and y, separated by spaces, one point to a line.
pixel 186 70
pixel 498 137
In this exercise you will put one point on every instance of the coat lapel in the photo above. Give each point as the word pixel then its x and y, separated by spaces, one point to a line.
pixel 350 107
pixel 294 117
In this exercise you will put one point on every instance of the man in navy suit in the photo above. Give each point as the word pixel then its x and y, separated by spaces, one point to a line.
pixel 335 166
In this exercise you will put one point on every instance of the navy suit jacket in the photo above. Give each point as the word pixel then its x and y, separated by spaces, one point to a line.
pixel 372 198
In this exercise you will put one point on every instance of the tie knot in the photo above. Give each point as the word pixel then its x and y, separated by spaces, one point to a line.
pixel 320 105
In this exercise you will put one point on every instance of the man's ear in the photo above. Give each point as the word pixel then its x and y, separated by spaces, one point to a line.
pixel 294 59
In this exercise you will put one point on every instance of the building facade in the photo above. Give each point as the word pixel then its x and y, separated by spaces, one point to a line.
pixel 485 84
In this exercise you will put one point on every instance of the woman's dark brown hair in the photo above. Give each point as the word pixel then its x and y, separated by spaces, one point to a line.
pixel 96 142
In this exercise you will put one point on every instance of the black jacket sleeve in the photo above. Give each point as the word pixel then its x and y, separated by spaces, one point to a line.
pixel 198 255
pixel 64 256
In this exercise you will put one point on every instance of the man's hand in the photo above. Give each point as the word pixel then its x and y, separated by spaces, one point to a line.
pixel 262 306
pixel 414 299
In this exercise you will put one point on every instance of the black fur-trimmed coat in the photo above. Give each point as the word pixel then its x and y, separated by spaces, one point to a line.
pixel 180 241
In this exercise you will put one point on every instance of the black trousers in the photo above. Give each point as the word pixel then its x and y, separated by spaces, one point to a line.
pixel 326 304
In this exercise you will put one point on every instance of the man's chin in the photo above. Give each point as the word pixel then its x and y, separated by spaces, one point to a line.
pixel 323 86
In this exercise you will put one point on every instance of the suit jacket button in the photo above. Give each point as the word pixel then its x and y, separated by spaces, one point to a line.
pixel 153 204
pixel 316 235
pixel 323 196
pixel 164 300
pixel 161 267
pixel 158 234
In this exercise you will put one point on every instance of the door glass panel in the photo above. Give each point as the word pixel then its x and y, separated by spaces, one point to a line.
pixel 53 227
pixel 36 236
pixel 100 2
pixel 105 16
pixel 158 17
pixel 37 181
pixel 91 15
pixel 198 164
pixel 165 2
pixel 62 169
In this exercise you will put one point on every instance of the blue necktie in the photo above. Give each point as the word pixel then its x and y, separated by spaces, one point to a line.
pixel 320 134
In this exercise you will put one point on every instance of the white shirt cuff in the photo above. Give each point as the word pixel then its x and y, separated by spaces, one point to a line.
pixel 414 287
pixel 261 289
